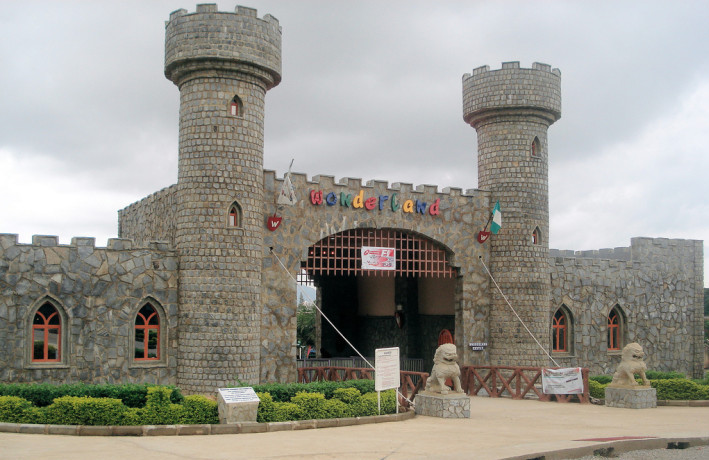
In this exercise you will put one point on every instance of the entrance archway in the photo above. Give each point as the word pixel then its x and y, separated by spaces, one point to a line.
pixel 404 305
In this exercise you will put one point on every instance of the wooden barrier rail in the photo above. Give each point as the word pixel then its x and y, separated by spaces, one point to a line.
pixel 514 381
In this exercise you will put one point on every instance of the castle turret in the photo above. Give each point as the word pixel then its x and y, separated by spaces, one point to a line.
pixel 511 109
pixel 223 64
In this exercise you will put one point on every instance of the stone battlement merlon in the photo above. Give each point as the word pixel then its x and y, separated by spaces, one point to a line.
pixel 512 90
pixel 327 181
pixel 625 252
pixel 232 41
pixel 8 240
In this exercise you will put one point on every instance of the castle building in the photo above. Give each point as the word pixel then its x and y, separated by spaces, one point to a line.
pixel 199 289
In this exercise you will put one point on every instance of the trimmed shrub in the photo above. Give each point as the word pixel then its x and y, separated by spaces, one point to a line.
pixel 347 395
pixel 284 392
pixel 682 389
pixel 200 410
pixel 312 404
pixel 13 409
pixel 597 389
pixel 159 410
pixel 656 375
pixel 602 379
pixel 284 412
pixel 73 410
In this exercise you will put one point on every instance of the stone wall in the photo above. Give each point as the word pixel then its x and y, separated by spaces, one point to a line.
pixel 305 223
pixel 99 292
pixel 150 219
pixel 657 283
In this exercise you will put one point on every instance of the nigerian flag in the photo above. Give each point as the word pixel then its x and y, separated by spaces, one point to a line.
pixel 496 219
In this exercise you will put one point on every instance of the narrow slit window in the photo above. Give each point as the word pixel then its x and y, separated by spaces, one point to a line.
pixel 235 215
pixel 537 236
pixel 536 147
pixel 236 107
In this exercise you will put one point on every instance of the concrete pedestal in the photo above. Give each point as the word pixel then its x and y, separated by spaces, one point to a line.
pixel 452 405
pixel 631 397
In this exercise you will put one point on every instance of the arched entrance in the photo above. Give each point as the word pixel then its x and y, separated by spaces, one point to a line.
pixel 404 304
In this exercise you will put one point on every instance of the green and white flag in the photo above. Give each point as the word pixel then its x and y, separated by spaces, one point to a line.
pixel 496 219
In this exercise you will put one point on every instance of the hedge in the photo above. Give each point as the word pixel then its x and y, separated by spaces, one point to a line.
pixel 43 394
pixel 667 388
pixel 284 392
pixel 346 402
pixel 75 410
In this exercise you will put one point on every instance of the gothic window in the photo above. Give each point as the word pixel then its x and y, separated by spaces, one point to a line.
pixel 236 108
pixel 560 331
pixel 537 236
pixel 536 148
pixel 47 334
pixel 147 334
pixel 615 329
pixel 235 215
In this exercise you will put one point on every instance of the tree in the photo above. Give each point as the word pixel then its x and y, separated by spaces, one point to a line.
pixel 305 329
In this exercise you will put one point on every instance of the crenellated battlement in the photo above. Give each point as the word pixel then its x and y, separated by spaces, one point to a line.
pixel 328 182
pixel 640 248
pixel 209 39
pixel 512 90
pixel 9 240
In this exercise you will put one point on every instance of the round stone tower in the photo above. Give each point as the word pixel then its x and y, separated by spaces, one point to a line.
pixel 511 109
pixel 223 63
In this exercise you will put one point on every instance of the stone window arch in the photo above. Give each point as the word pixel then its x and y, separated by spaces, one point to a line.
pixel 535 149
pixel 561 330
pixel 149 333
pixel 235 216
pixel 537 236
pixel 47 344
pixel 616 329
pixel 236 107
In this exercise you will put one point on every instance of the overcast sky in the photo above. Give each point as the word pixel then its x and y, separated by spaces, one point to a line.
pixel 371 89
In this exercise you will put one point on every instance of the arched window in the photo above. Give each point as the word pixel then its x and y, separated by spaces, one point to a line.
pixel 560 329
pixel 615 329
pixel 537 236
pixel 235 215
pixel 47 334
pixel 536 147
pixel 147 334
pixel 236 107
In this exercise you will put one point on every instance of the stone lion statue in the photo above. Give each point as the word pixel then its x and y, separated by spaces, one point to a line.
pixel 445 366
pixel 631 363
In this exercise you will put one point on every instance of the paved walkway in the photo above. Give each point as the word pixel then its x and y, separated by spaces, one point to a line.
pixel 498 429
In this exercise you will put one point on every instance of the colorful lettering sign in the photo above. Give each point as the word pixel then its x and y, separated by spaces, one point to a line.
pixel 372 203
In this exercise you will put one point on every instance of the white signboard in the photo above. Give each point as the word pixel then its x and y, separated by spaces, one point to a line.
pixel 566 381
pixel 235 395
pixel 386 368
pixel 378 258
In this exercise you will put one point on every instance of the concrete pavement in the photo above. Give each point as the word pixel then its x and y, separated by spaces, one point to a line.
pixel 498 429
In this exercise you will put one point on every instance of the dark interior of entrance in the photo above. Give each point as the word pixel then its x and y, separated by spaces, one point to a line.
pixel 411 307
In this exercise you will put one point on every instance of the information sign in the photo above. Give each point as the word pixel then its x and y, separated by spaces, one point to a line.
pixel 386 368
pixel 236 395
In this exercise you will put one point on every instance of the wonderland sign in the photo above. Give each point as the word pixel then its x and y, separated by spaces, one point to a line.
pixel 393 202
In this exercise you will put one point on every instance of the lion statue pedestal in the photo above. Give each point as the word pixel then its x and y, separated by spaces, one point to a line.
pixel 624 391
pixel 437 400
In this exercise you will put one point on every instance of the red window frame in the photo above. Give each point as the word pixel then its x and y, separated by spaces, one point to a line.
pixel 143 323
pixel 45 326
pixel 614 330
pixel 559 328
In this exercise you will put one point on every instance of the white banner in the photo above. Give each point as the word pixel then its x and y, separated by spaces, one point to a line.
pixel 566 381
pixel 378 258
